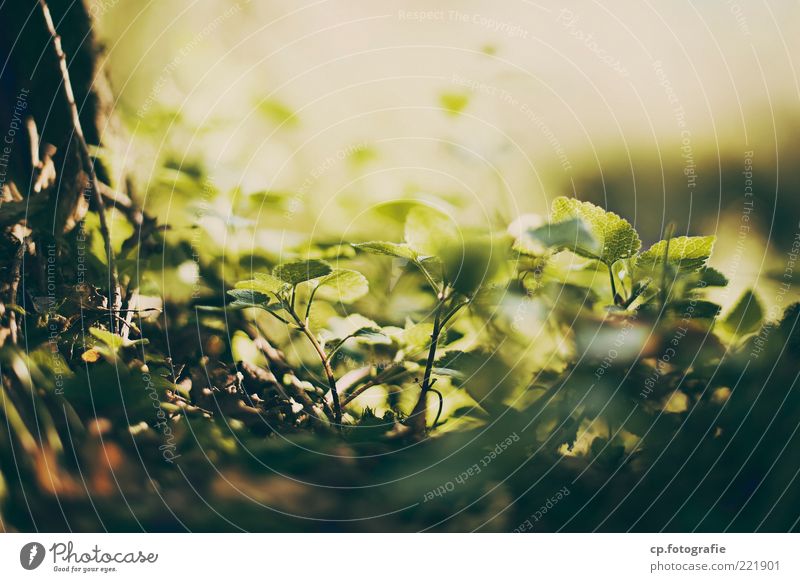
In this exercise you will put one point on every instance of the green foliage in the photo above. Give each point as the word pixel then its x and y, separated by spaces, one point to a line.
pixel 247 297
pixel 476 336
pixel 615 236
pixel 454 103
pixel 342 286
pixel 400 251
pixel 686 253
pixel 572 235
pixel 263 283
pixel 428 230
pixel 295 272
pixel 746 316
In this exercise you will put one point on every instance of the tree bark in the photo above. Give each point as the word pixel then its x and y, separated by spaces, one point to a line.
pixel 44 183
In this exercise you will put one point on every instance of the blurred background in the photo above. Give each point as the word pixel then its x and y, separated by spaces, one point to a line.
pixel 302 116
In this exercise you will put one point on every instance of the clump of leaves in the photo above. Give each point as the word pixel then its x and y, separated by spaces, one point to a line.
pixel 276 293
pixel 454 264
pixel 611 241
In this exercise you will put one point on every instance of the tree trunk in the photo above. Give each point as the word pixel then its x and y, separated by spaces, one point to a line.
pixel 45 188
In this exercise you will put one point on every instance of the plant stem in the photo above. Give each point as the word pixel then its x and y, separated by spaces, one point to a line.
pixel 441 405
pixel 326 365
pixel 429 277
pixel 310 301
pixel 418 414
pixel 614 296
pixel 665 258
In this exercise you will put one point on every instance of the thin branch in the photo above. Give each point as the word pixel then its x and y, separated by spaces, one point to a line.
pixel 326 365
pixel 339 345
pixel 454 311
pixel 114 295
pixel 418 414
pixel 441 406
pixel 310 301
pixel 16 277
pixel 614 297
pixel 33 141
pixel 431 281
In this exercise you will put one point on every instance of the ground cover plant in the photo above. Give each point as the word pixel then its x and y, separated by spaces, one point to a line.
pixel 537 373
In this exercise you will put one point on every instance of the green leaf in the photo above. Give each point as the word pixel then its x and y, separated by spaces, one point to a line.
pixel 416 336
pixel 114 341
pixel 247 298
pixel 295 272
pixel 262 283
pixel 428 230
pixel 343 286
pixel 278 112
pixel 615 236
pixel 354 325
pixel 448 363
pixel 746 316
pixel 688 253
pixel 390 249
pixel 572 235
pixel 454 103
pixel 523 242
pixel 713 278
pixel 372 335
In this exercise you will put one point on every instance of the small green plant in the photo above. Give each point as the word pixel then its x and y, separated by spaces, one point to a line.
pixel 453 266
pixel 277 294
pixel 563 332
pixel 611 241
pixel 460 268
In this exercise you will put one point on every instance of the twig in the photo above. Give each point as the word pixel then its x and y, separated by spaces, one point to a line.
pixel 280 368
pixel 614 296
pixel 326 365
pixel 43 168
pixel 120 200
pixel 441 406
pixel 418 414
pixel 114 296
pixel 33 141
pixel 16 277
